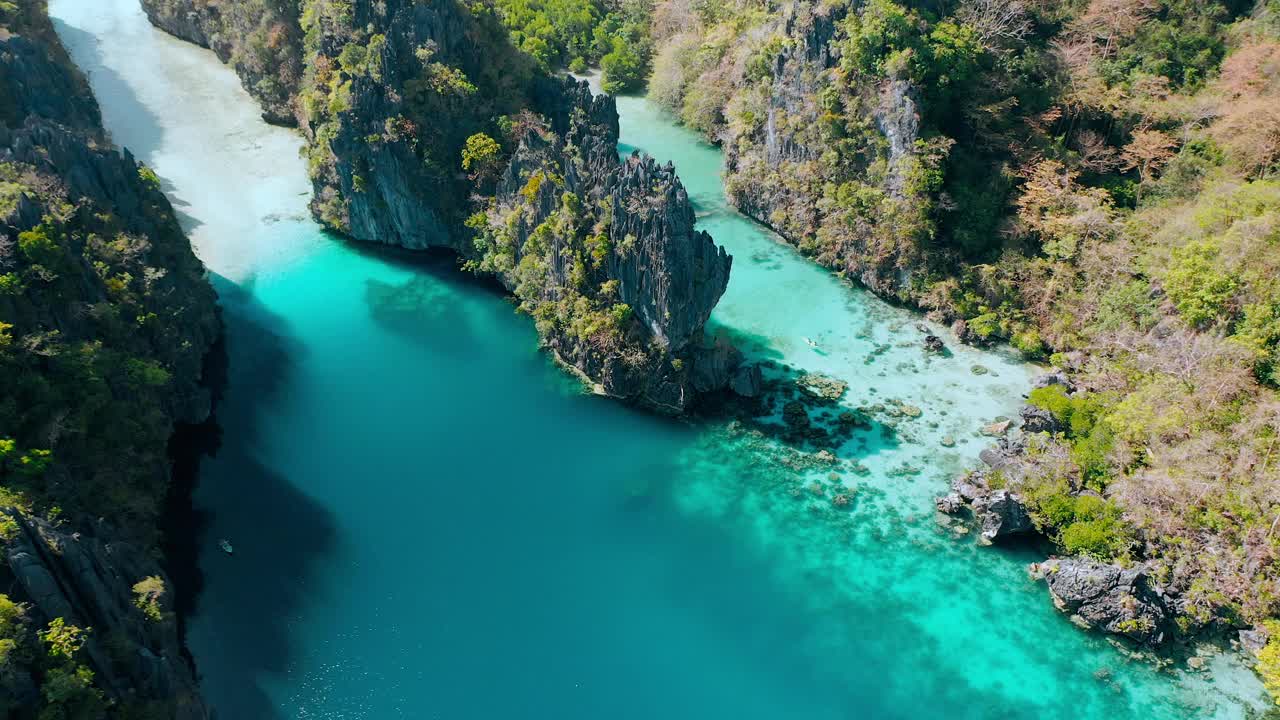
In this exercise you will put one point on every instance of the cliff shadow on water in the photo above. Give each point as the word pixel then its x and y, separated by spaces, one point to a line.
pixel 258 346
pixel 421 308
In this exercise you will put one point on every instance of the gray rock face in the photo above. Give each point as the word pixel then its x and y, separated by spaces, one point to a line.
pixel 1050 379
pixel 1253 640
pixel 1036 419
pixel 89 582
pixel 669 273
pixel 1001 514
pixel 899 121
pixel 1105 597
pixel 764 164
pixel 34 81
pixel 50 130
pixel 385 167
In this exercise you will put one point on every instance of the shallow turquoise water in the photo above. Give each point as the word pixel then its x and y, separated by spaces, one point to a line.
pixel 432 521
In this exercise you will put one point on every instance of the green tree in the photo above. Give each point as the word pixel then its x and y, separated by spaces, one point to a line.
pixel 480 155
pixel 623 67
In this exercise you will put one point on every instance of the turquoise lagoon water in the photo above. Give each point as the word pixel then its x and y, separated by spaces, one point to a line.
pixel 431 521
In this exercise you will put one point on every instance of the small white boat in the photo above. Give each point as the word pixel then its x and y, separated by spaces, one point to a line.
pixel 811 343
pixel 225 544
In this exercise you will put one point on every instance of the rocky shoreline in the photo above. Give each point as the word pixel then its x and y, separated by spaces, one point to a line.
pixel 1126 601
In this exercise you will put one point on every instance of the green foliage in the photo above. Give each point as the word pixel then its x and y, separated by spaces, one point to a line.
pixel 985 326
pixel 41 246
pixel 64 641
pixel 882 38
pixel 149 177
pixel 146 596
pixel 554 31
pixel 624 68
pixel 10 629
pixel 69 694
pixel 1197 284
pixel 442 78
pixel 480 153
pixel 1082 414
pixel 1029 343
pixel 1083 524
pixel 1185 42
pixel 1269 660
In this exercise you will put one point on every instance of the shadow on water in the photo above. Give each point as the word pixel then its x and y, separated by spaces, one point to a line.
pixel 144 127
pixel 281 535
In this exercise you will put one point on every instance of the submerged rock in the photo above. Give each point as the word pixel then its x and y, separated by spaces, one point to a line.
pixel 1107 597
pixel 996 429
pixel 934 344
pixel 951 503
pixel 795 416
pixel 747 381
pixel 822 387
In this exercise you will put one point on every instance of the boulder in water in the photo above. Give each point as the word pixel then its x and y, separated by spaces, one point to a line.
pixel 794 415
pixel 996 429
pixel 747 381
pixel 1002 514
pixel 821 387
pixel 1101 596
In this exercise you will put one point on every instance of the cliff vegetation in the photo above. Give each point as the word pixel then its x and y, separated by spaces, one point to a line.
pixel 427 127
pixel 105 320
pixel 1093 181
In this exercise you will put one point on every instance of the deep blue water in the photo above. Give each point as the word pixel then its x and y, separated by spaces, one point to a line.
pixel 430 520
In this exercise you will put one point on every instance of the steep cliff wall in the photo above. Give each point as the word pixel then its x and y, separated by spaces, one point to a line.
pixel 604 254
pixel 827 157
pixel 421 121
pixel 105 319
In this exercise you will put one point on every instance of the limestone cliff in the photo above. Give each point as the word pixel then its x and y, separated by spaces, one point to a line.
pixel 426 127
pixel 829 157
pixel 604 254
pixel 105 319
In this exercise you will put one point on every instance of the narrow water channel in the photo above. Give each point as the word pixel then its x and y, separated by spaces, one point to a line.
pixel 432 521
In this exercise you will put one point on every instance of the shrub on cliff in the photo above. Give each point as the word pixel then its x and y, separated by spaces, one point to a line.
pixel 1269 660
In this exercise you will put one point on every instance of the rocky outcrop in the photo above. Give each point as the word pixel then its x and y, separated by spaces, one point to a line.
pixel 647 257
pixel 779 172
pixel 1117 600
pixel 105 320
pixel 1002 514
pixel 1037 419
pixel 602 252
pixel 999 510
pixel 88 581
